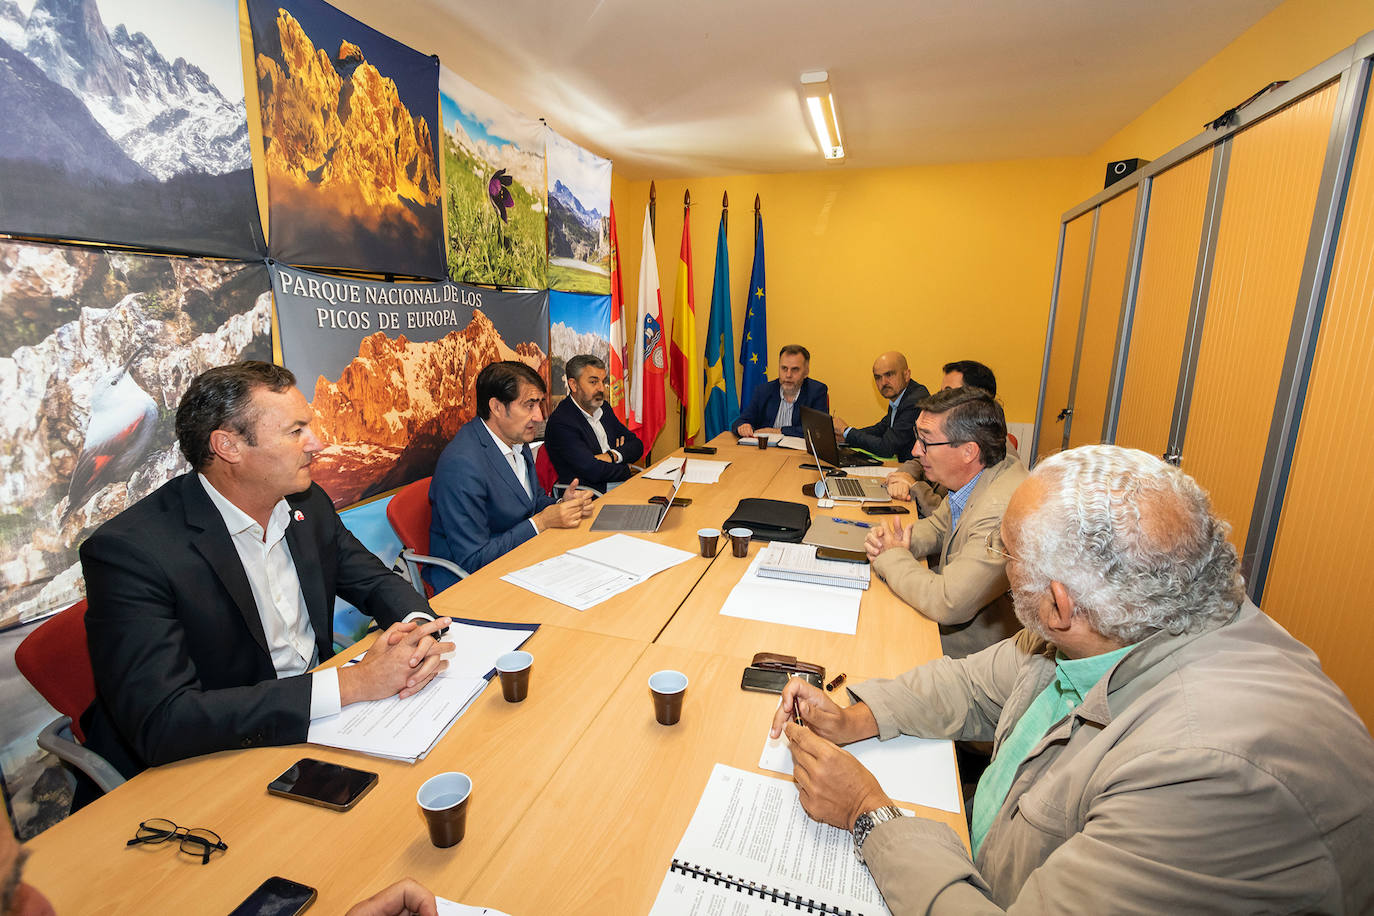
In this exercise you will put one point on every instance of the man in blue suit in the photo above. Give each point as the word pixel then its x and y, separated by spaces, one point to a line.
pixel 587 441
pixel 772 410
pixel 484 496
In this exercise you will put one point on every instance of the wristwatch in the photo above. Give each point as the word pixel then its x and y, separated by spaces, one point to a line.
pixel 864 824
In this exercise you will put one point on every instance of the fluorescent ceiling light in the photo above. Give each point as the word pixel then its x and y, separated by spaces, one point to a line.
pixel 820 104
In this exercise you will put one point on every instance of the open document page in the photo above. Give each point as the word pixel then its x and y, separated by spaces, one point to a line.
pixel 750 848
pixel 587 575
pixel 699 470
pixel 796 604
pixel 395 728
pixel 910 769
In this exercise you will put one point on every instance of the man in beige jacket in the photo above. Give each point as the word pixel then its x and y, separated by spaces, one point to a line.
pixel 961 437
pixel 1161 746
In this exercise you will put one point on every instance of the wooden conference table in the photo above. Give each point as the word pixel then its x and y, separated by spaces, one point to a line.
pixel 579 796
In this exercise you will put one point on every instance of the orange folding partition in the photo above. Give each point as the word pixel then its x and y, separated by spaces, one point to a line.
pixel 1111 254
pixel 1164 296
pixel 1318 581
pixel 1271 191
pixel 1068 307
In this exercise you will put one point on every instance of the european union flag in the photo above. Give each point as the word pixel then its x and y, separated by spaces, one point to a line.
pixel 753 349
pixel 721 403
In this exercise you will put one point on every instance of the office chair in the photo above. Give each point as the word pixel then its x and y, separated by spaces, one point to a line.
pixel 54 659
pixel 408 512
pixel 545 472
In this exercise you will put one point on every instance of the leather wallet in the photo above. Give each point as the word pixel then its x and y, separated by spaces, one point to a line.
pixel 779 662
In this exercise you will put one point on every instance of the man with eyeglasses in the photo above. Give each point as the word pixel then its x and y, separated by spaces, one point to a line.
pixel 1160 744
pixel 961 436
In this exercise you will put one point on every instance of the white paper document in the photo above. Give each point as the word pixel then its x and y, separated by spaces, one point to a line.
pixel 477 647
pixel 798 604
pixel 699 470
pixel 395 728
pixel 587 575
pixel 880 471
pixel 916 770
pixel 751 849
pixel 449 908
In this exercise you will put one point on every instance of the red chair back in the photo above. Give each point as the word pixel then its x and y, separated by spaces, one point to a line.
pixel 55 660
pixel 544 470
pixel 408 513
pixel 1012 440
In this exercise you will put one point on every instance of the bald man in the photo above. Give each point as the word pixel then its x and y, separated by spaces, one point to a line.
pixel 895 434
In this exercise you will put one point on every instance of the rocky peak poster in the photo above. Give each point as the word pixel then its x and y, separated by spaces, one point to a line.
pixel 96 349
pixel 120 123
pixel 389 368
pixel 349 120
pixel 579 218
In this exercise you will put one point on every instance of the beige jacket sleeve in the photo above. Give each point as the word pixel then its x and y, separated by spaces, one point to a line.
pixel 968 581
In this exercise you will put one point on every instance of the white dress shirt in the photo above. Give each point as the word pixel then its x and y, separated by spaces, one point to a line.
pixel 277 593
pixel 516 460
pixel 785 410
pixel 594 421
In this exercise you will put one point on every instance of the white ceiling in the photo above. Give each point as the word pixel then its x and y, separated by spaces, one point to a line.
pixel 710 87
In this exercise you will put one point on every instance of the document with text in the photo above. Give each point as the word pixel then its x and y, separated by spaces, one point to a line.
pixel 398 729
pixel 699 470
pixel 910 769
pixel 587 575
pixel 797 604
pixel 751 849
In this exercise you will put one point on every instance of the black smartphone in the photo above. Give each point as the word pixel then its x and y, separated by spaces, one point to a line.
pixel 845 556
pixel 277 897
pixel 700 449
pixel 886 510
pixel 328 785
pixel 771 680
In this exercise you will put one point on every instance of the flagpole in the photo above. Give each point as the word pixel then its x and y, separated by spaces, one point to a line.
pixel 681 407
pixel 653 209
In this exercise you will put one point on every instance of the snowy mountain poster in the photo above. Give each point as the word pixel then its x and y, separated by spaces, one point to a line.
pixel 120 123
pixel 348 118
pixel 96 349
pixel 389 368
pixel 579 218
pixel 494 169
pixel 578 324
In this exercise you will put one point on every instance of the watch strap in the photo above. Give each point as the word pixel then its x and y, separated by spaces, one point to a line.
pixel 866 822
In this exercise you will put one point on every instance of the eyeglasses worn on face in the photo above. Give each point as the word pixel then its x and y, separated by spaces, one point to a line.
pixel 994 546
pixel 926 446
pixel 195 841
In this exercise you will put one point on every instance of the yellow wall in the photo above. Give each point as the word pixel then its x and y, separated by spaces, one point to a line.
pixel 942 262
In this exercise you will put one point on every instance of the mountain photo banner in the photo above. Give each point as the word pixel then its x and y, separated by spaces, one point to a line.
pixel 579 218
pixel 389 368
pixel 121 124
pixel 579 324
pixel 495 203
pixel 96 350
pixel 349 121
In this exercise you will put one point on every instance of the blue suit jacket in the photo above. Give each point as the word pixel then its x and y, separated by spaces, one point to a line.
pixel 479 510
pixel 573 447
pixel 763 406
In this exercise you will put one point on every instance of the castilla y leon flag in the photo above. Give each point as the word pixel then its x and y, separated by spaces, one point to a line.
pixel 615 366
pixel 684 360
pixel 721 403
pixel 647 408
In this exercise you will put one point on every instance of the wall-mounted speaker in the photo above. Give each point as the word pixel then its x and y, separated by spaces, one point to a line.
pixel 1121 168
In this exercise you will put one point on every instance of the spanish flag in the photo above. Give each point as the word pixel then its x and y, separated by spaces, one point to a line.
pixel 684 359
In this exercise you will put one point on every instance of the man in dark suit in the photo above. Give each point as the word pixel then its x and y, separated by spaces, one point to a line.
pixel 586 441
pixel 895 433
pixel 211 598
pixel 773 407
pixel 484 495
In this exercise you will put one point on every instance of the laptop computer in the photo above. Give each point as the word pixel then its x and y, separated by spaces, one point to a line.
pixel 821 428
pixel 639 516
pixel 852 489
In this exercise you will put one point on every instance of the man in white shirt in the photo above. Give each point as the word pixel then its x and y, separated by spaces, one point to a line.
pixel 212 598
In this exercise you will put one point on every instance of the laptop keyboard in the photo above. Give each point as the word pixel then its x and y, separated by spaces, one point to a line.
pixel 846 486
pixel 630 518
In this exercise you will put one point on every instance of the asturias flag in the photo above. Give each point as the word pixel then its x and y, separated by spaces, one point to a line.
pixel 753 348
pixel 615 366
pixel 721 403
pixel 684 363
pixel 648 408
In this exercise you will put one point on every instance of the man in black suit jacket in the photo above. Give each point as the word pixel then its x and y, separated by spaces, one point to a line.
pixel 586 441
pixel 793 388
pixel 211 598
pixel 895 434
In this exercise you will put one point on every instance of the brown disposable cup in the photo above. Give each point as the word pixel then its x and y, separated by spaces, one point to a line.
pixel 739 541
pixel 763 440
pixel 668 688
pixel 709 539
pixel 514 669
pixel 444 800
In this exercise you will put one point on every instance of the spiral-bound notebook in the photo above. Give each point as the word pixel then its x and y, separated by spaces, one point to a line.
pixel 751 850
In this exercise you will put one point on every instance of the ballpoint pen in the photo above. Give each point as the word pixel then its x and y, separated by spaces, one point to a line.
pixel 850 521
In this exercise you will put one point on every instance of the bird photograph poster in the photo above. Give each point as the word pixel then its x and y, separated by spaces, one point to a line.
pixel 494 168
pixel 122 124
pixel 96 349
pixel 349 118
pixel 390 368
pixel 579 218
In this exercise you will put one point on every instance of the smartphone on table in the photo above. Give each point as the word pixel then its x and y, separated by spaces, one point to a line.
pixel 886 510
pixel 771 680
pixel 277 896
pixel 329 785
